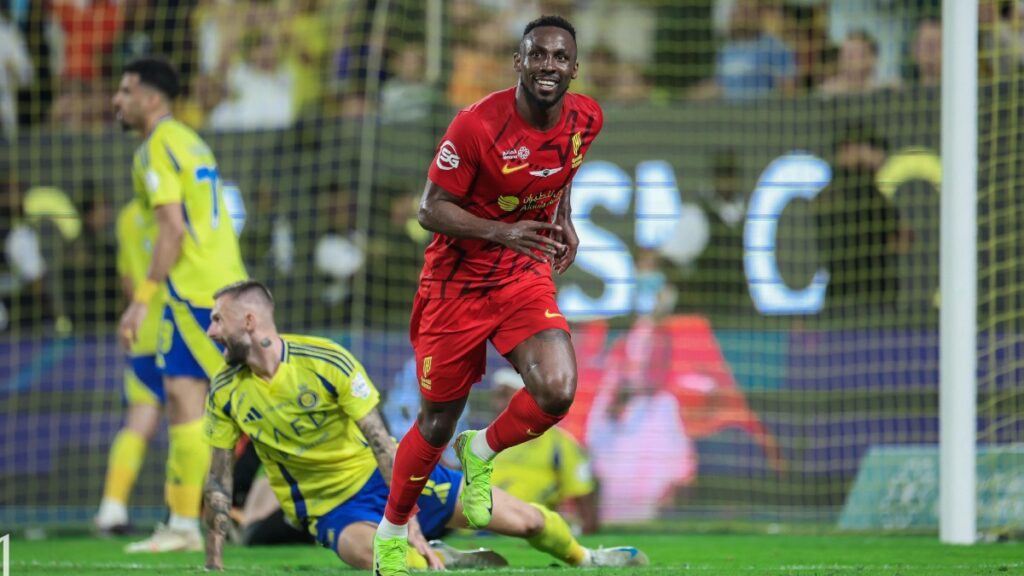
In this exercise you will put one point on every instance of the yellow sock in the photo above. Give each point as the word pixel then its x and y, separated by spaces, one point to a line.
pixel 123 463
pixel 188 458
pixel 556 539
pixel 415 560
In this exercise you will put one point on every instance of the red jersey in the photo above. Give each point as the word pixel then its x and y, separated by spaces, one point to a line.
pixel 503 169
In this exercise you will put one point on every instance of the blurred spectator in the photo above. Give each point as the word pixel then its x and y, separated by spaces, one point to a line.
pixel 675 68
pixel 752 62
pixel 259 92
pixel 516 15
pixel 88 284
pixel 482 63
pixel 653 295
pixel 135 38
pixel 45 223
pixel 806 30
pixel 642 450
pixel 162 27
pixel 15 72
pixel 352 60
pixel 1000 50
pixel 90 27
pixel 307 47
pixel 81 106
pixel 218 26
pixel 269 241
pixel 553 469
pixel 610 81
pixel 717 284
pixel 597 78
pixel 406 96
pixel 35 100
pixel 339 251
pixel 859 230
pixel 23 267
pixel 856 72
pixel 395 254
pixel 926 53
pixel 725 201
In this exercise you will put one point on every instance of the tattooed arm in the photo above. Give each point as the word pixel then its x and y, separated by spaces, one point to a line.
pixel 380 441
pixel 217 493
pixel 383 446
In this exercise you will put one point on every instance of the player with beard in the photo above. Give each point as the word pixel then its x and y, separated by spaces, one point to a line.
pixel 310 411
pixel 497 198
pixel 195 252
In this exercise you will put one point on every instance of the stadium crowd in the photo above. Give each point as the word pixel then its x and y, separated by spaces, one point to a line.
pixel 269 65
pixel 264 64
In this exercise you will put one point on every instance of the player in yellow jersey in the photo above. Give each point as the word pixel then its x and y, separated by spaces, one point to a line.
pixel 552 469
pixel 311 412
pixel 143 386
pixel 195 252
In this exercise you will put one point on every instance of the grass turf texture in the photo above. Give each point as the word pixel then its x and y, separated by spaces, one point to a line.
pixel 704 555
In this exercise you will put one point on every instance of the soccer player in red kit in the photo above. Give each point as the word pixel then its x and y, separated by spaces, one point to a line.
pixel 497 198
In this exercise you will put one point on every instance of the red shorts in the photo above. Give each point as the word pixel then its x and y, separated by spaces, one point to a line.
pixel 450 335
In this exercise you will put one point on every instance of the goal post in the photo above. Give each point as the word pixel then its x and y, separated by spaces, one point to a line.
pixel 958 275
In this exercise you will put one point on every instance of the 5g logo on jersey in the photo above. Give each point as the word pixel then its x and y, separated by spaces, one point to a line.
pixel 447 157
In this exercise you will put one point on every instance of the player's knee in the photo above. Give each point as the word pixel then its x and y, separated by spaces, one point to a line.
pixel 436 429
pixel 358 557
pixel 533 522
pixel 559 392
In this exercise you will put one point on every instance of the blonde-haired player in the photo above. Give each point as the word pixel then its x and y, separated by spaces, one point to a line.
pixel 195 252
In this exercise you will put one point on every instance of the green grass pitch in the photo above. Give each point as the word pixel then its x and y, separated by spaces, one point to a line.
pixel 700 555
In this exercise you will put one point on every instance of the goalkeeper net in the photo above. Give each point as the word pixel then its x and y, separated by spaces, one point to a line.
pixel 755 299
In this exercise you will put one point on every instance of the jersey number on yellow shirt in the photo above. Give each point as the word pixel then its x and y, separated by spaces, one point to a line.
pixel 213 175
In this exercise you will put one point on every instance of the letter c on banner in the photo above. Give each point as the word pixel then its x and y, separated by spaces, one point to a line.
pixel 795 175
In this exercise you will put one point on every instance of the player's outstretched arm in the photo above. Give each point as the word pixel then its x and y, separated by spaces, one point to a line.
pixel 217 495
pixel 441 212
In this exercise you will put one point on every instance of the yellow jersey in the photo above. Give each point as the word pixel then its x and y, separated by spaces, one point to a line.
pixel 134 249
pixel 175 166
pixel 302 423
pixel 546 470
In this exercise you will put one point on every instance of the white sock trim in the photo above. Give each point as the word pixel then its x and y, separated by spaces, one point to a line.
pixel 183 524
pixel 387 530
pixel 481 447
pixel 112 511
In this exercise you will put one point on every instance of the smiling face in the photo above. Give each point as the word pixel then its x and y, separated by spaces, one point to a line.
pixel 546 63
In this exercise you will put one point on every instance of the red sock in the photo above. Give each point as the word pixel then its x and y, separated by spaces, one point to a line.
pixel 415 458
pixel 521 421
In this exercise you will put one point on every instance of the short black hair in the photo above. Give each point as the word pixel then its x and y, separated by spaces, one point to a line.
pixel 865 37
pixel 157 73
pixel 554 21
pixel 246 287
pixel 859 132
